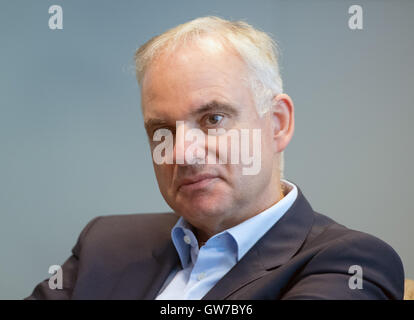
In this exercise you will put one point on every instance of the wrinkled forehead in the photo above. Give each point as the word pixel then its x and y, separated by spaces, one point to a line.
pixel 191 70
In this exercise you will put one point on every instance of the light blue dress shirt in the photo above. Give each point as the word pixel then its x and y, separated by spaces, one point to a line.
pixel 201 268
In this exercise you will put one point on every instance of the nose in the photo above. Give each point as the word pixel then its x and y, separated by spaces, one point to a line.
pixel 189 147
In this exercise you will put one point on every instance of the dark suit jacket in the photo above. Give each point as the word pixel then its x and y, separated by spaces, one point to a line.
pixel 305 255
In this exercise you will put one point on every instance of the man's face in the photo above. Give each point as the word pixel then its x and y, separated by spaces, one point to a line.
pixel 204 85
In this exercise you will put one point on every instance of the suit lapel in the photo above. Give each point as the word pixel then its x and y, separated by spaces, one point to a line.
pixel 166 260
pixel 275 248
pixel 144 277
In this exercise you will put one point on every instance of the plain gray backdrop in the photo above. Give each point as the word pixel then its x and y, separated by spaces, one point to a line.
pixel 73 144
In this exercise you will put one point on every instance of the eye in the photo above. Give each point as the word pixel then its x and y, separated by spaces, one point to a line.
pixel 212 119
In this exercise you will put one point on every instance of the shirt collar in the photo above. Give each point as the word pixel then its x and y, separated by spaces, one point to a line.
pixel 245 234
pixel 251 230
pixel 184 241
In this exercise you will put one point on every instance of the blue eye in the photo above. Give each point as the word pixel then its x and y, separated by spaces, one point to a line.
pixel 214 119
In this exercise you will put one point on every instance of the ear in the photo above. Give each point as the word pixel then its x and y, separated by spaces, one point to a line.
pixel 283 122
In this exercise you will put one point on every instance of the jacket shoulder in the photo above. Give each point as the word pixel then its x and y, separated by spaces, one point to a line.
pixel 112 232
pixel 337 250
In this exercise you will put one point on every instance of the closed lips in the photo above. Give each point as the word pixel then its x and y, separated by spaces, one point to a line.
pixel 196 179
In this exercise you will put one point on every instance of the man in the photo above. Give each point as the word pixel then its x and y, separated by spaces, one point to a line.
pixel 238 231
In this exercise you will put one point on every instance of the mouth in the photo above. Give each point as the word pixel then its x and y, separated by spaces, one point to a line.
pixel 198 182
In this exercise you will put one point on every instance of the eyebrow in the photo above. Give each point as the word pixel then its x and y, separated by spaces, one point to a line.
pixel 215 106
pixel 150 123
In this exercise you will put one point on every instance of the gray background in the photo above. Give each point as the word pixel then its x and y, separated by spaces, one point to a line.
pixel 73 144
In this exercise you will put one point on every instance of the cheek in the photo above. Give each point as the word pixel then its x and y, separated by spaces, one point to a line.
pixel 164 174
pixel 224 149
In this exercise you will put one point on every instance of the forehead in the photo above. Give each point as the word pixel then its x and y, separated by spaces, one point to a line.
pixel 192 75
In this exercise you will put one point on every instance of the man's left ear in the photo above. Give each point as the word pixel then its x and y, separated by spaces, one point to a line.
pixel 283 122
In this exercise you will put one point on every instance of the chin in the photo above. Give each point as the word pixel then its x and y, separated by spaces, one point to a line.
pixel 203 206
